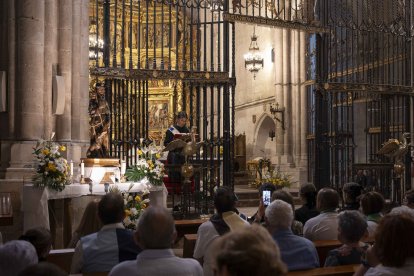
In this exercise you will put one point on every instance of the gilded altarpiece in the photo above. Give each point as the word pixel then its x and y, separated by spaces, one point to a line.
pixel 151 46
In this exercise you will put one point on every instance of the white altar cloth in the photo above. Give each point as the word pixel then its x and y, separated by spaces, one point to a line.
pixel 35 200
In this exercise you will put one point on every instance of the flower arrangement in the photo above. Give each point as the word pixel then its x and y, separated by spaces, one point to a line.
pixel 148 165
pixel 134 205
pixel 276 178
pixel 52 169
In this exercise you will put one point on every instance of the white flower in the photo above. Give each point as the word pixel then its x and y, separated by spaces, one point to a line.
pixel 133 211
pixel 127 221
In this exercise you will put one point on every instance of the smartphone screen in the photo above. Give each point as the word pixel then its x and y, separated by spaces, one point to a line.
pixel 266 198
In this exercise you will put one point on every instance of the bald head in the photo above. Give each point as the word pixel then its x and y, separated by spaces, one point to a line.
pixel 156 229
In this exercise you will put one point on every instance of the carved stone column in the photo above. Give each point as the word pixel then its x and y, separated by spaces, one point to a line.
pixel 76 58
pixel 30 69
pixel 63 122
pixel 50 64
pixel 279 50
pixel 84 72
pixel 287 80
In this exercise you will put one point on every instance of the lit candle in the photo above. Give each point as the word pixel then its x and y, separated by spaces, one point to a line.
pixel 123 167
pixel 82 168
pixel 71 168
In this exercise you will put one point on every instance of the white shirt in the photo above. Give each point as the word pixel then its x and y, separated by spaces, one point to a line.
pixel 157 262
pixel 322 227
pixel 206 235
pixel 380 270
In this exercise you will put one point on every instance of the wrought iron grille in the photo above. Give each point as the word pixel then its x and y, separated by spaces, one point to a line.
pixel 169 55
pixel 362 92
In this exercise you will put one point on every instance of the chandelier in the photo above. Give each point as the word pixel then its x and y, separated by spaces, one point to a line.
pixel 253 60
pixel 96 44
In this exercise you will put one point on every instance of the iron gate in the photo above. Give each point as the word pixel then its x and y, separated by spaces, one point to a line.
pixel 362 94
pixel 175 54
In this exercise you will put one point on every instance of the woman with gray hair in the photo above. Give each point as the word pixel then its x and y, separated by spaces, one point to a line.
pixel 352 227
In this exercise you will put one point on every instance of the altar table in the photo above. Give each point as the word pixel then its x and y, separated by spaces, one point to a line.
pixel 35 200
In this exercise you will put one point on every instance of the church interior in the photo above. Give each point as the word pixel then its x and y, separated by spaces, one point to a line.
pixel 280 93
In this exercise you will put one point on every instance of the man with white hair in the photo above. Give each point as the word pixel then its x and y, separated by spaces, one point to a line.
pixel 16 256
pixel 156 234
pixel 298 253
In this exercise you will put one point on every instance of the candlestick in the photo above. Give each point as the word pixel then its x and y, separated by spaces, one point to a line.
pixel 71 168
pixel 123 171
pixel 82 168
pixel 123 167
pixel 82 179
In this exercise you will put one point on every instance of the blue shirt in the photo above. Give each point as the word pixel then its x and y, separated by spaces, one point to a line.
pixel 297 253
pixel 103 250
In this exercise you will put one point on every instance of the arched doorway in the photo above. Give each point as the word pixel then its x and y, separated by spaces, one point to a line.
pixel 264 146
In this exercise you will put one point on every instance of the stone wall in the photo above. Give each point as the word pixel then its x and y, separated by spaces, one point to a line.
pixel 282 82
pixel 44 38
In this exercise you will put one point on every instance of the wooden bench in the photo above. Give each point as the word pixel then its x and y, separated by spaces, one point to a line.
pixel 62 258
pixel 323 247
pixel 6 209
pixel 96 273
pixel 342 270
pixel 187 226
pixel 189 245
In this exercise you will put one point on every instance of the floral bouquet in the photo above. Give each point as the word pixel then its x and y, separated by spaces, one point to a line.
pixel 52 169
pixel 276 178
pixel 148 165
pixel 134 205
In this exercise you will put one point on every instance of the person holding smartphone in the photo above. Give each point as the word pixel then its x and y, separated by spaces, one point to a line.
pixel 265 193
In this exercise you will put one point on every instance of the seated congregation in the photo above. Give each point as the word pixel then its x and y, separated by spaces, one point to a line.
pixel 316 239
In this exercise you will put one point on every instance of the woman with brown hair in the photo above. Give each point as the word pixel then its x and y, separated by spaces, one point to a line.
pixel 393 252
pixel 89 223
pixel 372 204
pixel 41 239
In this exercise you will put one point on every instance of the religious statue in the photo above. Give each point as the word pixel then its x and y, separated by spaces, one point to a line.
pixel 99 122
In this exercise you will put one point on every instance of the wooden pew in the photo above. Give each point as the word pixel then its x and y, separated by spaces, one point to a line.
pixel 96 273
pixel 323 247
pixel 187 226
pixel 62 258
pixel 189 245
pixel 6 209
pixel 342 270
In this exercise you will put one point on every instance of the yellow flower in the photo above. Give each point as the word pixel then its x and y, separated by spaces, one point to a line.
pixel 51 167
pixel 137 198
pixel 158 156
pixel 144 206
pixel 62 148
pixel 127 212
pixel 139 152
pixel 45 151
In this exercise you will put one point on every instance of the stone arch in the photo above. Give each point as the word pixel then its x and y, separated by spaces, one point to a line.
pixel 263 145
